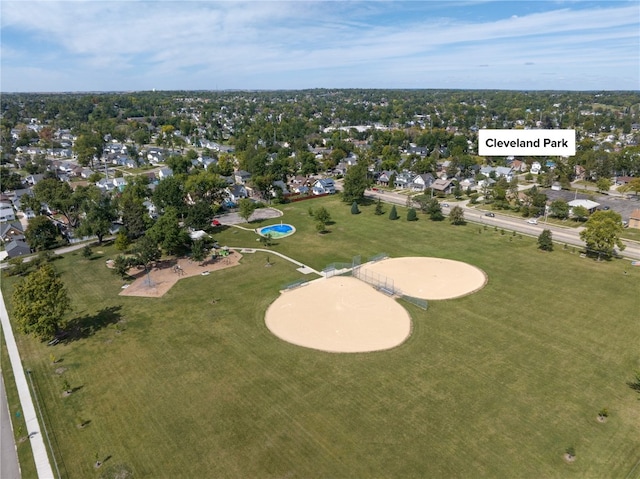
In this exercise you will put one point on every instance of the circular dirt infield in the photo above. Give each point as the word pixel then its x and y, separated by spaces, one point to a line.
pixel 339 314
pixel 428 278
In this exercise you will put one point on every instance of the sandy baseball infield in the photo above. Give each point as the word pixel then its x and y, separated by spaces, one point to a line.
pixel 429 278
pixel 345 314
pixel 339 314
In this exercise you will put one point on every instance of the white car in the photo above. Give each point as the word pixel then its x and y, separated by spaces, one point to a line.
pixel 532 221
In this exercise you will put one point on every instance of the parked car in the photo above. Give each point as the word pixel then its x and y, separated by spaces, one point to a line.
pixel 532 221
pixel 490 215
pixel 445 205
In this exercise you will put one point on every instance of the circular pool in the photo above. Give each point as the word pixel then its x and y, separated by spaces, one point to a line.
pixel 276 231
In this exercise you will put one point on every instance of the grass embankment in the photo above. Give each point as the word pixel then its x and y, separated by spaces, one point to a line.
pixel 495 384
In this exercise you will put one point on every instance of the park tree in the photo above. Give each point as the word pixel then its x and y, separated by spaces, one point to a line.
pixel 135 218
pixel 198 251
pixel 246 208
pixel 602 231
pixel 379 210
pixel 170 192
pixel 146 251
pixel 603 184
pixel 323 218
pixel 456 216
pixel 633 185
pixel 40 303
pixel 355 183
pixel 560 209
pixel 41 233
pixel 545 240
pixel 354 208
pixel 432 208
pixel 59 196
pixel 168 233
pixel 580 213
pixel 393 214
pixel 199 215
pixel 412 215
pixel 100 213
pixel 122 241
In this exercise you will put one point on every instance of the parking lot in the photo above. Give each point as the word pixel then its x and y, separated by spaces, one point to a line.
pixel 622 205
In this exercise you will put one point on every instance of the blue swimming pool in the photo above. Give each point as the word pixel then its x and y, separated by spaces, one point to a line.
pixel 276 231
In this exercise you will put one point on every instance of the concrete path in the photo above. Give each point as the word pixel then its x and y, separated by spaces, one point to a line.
pixel 9 468
pixel 304 269
pixel 43 466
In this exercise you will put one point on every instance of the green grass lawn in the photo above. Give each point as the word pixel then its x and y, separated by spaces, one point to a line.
pixel 495 384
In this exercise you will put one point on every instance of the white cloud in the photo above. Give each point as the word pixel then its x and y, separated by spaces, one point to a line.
pixel 229 39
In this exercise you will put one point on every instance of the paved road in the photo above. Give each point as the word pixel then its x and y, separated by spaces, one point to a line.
pixel 561 235
pixel 9 468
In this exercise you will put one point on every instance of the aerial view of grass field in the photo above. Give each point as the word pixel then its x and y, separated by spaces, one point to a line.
pixel 498 383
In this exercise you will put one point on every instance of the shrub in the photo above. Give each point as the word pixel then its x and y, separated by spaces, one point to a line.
pixel 354 208
pixel 393 214
pixel 411 215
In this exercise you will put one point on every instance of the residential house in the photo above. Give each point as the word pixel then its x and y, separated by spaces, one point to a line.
pixel 504 172
pixel 235 193
pixel 403 179
pixel 591 206
pixel 17 248
pixel 536 167
pixel 165 173
pixel 324 186
pixel 443 186
pixel 279 184
pixel 11 231
pixel 385 177
pixel 422 182
pixel 519 166
pixel 6 212
pixel 242 177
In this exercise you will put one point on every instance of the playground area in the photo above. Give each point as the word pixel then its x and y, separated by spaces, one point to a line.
pixel 164 274
pixel 358 313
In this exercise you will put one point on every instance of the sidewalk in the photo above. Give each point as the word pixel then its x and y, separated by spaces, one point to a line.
pixel 41 459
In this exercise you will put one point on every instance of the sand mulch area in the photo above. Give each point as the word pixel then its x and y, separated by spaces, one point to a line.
pixel 429 278
pixel 165 274
pixel 339 314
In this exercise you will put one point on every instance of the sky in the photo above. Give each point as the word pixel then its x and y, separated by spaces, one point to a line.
pixel 132 45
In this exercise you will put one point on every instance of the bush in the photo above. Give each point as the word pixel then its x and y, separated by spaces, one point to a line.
pixel 412 215
pixel 393 214
pixel 354 208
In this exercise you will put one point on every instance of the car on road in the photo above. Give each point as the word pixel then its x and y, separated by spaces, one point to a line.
pixel 532 221
pixel 490 215
pixel 445 205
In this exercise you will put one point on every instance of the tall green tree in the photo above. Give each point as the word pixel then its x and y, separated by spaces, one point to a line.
pixel 168 233
pixel 355 183
pixel 545 240
pixel 88 147
pixel 59 196
pixel 560 209
pixel 323 218
pixel 246 208
pixel 40 303
pixel 41 233
pixel 456 216
pixel 602 231
pixel 100 213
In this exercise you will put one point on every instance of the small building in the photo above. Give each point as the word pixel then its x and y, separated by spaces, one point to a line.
pixel 591 206
pixel 11 231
